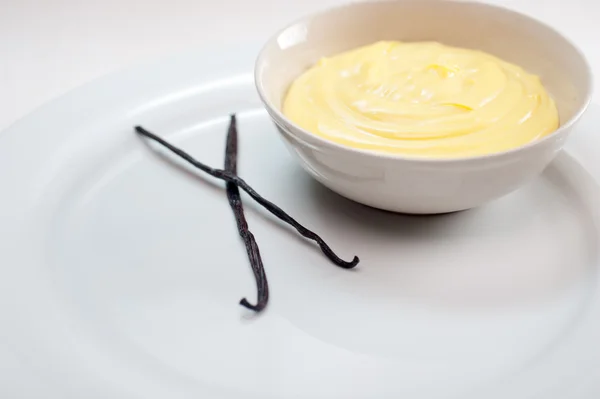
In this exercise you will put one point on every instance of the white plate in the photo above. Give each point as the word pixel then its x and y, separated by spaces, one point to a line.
pixel 120 273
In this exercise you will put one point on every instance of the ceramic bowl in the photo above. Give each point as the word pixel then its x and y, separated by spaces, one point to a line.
pixel 424 185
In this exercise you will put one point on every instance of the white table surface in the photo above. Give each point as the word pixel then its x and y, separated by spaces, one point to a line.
pixel 48 47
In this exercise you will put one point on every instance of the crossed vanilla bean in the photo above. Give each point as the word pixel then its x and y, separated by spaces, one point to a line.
pixel 233 184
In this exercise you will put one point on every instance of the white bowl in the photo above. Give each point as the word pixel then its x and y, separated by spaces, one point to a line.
pixel 422 185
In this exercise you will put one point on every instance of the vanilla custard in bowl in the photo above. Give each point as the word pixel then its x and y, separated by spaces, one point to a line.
pixel 421 99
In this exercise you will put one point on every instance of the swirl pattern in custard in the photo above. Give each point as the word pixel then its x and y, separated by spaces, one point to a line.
pixel 421 99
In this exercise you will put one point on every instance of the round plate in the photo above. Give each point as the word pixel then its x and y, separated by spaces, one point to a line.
pixel 121 267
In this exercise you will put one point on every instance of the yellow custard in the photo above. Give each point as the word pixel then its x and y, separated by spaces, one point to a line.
pixel 421 99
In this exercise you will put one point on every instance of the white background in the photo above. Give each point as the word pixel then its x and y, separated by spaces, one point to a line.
pixel 48 47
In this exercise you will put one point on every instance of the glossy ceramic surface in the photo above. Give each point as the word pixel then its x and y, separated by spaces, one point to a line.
pixel 121 271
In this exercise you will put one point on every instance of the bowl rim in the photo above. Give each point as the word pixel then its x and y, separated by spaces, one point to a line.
pixel 277 114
